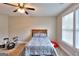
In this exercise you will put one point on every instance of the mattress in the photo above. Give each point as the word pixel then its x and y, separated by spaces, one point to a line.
pixel 40 46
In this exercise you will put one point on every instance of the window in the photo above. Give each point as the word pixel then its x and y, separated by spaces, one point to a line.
pixel 77 29
pixel 67 29
pixel 70 29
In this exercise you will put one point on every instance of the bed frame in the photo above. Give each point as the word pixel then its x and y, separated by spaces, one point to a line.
pixel 39 31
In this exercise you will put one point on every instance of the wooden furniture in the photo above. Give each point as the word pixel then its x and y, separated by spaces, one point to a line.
pixel 39 31
pixel 17 51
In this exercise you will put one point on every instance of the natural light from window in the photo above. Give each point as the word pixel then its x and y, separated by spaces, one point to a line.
pixel 67 29
pixel 77 29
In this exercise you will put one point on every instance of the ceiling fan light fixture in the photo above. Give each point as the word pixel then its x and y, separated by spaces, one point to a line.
pixel 21 10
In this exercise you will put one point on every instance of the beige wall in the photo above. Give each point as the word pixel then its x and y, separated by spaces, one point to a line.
pixel 3 27
pixel 22 26
pixel 65 47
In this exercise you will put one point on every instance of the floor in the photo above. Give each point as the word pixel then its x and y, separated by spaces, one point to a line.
pixel 60 52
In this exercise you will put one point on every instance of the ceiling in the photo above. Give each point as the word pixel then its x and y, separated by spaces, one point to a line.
pixel 41 9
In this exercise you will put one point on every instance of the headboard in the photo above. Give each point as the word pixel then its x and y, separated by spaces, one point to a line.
pixel 39 31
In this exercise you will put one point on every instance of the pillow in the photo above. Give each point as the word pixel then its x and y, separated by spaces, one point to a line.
pixel 36 35
pixel 42 35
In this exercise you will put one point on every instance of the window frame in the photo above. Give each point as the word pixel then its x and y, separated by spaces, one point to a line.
pixel 73 29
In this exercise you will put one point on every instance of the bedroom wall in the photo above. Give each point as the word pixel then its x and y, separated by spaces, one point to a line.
pixel 69 50
pixel 3 27
pixel 22 26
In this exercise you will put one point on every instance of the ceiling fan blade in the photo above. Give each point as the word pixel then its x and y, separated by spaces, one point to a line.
pixel 15 10
pixel 24 4
pixel 10 4
pixel 19 4
pixel 30 8
pixel 26 12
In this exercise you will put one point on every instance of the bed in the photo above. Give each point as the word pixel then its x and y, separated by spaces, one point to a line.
pixel 40 44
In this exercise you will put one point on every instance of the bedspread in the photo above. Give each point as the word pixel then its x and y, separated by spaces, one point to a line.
pixel 40 46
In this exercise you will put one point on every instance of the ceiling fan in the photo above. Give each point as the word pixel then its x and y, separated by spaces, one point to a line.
pixel 21 7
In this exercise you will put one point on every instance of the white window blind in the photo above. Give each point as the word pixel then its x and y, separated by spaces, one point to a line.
pixel 67 29
pixel 77 29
